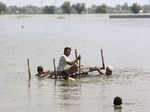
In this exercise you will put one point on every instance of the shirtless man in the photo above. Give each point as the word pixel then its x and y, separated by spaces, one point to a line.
pixel 41 73
pixel 107 71
pixel 51 74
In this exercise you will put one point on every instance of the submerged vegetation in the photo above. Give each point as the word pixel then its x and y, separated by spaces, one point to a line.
pixel 78 8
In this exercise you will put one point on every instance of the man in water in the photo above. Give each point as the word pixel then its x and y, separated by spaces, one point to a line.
pixel 51 74
pixel 65 63
pixel 73 69
pixel 107 71
pixel 41 73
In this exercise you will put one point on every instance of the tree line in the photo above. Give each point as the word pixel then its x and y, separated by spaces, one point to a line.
pixel 78 8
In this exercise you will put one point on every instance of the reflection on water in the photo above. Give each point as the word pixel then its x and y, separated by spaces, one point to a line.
pixel 117 109
pixel 125 43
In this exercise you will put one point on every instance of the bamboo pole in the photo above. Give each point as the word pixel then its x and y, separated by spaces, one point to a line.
pixel 79 63
pixel 76 55
pixel 103 64
pixel 54 64
pixel 29 69
pixel 80 66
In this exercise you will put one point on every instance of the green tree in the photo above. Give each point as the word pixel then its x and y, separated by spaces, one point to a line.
pixel 135 8
pixel 125 6
pixel 49 9
pixel 66 7
pixel 118 8
pixel 101 9
pixel 79 7
pixel 2 7
pixel 13 9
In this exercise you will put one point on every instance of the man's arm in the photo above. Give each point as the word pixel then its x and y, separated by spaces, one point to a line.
pixel 101 71
pixel 74 61
pixel 92 69
pixel 46 73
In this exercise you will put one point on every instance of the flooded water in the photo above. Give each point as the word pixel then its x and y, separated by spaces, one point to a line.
pixel 42 37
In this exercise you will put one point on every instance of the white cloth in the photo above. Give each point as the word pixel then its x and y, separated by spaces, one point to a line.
pixel 63 65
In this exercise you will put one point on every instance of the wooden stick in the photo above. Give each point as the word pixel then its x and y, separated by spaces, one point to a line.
pixel 103 64
pixel 54 63
pixel 79 66
pixel 76 55
pixel 29 69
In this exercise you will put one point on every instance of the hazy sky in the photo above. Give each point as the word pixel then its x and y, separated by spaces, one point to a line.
pixel 59 2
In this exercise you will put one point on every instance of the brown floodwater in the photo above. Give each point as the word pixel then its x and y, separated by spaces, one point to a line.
pixel 41 38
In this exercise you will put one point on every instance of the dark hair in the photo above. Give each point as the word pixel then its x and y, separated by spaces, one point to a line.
pixel 117 100
pixel 39 69
pixel 66 48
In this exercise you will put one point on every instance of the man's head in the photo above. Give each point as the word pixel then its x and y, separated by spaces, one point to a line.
pixel 117 101
pixel 108 70
pixel 67 51
pixel 39 69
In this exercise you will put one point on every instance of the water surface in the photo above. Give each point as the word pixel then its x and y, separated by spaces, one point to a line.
pixel 42 37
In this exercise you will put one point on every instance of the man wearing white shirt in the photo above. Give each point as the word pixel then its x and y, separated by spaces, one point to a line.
pixel 65 63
